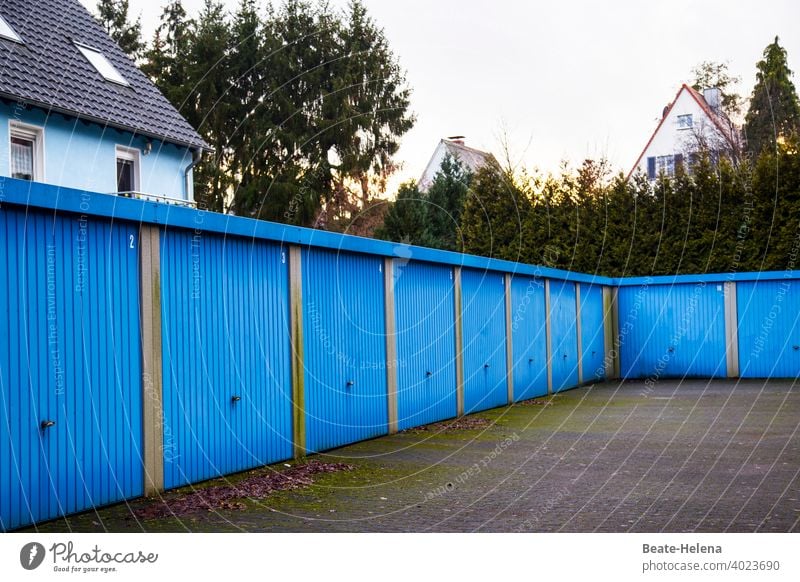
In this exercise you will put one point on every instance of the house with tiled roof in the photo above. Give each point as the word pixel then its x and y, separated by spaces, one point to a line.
pixel 694 121
pixel 76 112
pixel 470 158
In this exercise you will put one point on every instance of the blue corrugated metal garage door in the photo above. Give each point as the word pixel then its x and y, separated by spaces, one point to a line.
pixel 592 333
pixel 563 335
pixel 529 337
pixel 226 367
pixel 344 330
pixel 70 354
pixel 484 325
pixel 769 329
pixel 425 327
pixel 672 331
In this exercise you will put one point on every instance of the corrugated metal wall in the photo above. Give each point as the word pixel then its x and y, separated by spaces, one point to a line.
pixel 672 331
pixel 69 354
pixel 563 335
pixel 226 367
pixel 528 337
pixel 592 333
pixel 484 325
pixel 345 348
pixel 769 329
pixel 426 350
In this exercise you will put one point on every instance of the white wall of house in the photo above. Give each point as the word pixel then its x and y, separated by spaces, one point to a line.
pixel 676 135
pixel 77 154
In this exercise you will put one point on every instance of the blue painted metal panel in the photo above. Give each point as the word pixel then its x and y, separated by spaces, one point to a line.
pixel 769 329
pixel 225 335
pixel 703 278
pixel 344 334
pixel 563 335
pixel 426 350
pixel 484 328
pixel 528 337
pixel 69 353
pixel 672 331
pixel 592 333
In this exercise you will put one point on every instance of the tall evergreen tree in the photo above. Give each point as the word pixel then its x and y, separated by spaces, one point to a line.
pixel 208 105
pixel 167 59
pixel 363 116
pixel 446 196
pixel 774 107
pixel 494 213
pixel 251 44
pixel 406 220
pixel 114 18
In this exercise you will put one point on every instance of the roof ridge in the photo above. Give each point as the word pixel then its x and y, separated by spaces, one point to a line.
pixel 465 147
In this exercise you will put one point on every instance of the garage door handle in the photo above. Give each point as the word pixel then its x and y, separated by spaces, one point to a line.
pixel 235 398
pixel 429 373
pixel 671 349
pixel 565 356
pixel 530 360
pixel 350 384
pixel 486 365
pixel 47 424
pixel 795 348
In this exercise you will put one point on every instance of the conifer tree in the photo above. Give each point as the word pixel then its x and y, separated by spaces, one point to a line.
pixel 774 111
pixel 113 16
pixel 446 196
pixel 494 213
pixel 406 220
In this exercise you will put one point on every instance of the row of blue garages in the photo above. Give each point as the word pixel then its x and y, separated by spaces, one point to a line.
pixel 71 423
pixel 680 331
pixel 227 377
pixel 71 409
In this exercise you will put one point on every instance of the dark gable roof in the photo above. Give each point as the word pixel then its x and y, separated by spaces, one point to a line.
pixel 49 71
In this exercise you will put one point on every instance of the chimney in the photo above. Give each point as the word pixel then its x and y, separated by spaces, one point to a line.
pixel 712 97
pixel 457 139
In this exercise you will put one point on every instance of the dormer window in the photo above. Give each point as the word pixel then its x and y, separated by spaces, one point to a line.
pixel 103 66
pixel 7 32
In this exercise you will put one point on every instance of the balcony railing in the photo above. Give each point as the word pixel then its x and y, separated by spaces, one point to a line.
pixel 158 198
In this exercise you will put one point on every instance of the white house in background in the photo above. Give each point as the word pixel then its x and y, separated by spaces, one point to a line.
pixel 693 121
pixel 470 158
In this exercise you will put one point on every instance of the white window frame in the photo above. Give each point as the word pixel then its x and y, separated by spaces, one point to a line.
pixel 102 65
pixel 34 133
pixel 690 117
pixel 7 31
pixel 665 165
pixel 131 155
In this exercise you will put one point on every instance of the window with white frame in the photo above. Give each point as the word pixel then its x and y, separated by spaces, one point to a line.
pixel 665 165
pixel 103 66
pixel 26 152
pixel 7 32
pixel 127 169
pixel 685 121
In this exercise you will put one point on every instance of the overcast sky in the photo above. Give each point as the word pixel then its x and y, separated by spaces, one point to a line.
pixel 568 79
